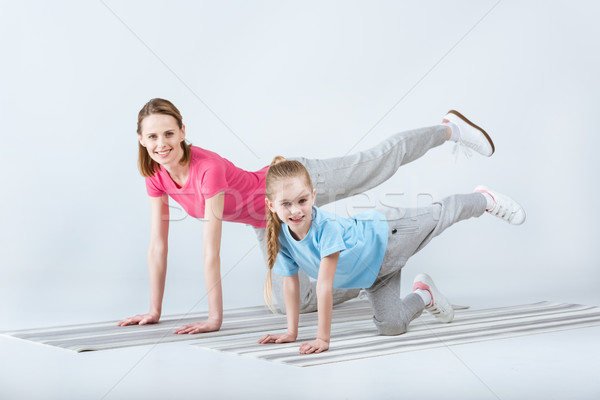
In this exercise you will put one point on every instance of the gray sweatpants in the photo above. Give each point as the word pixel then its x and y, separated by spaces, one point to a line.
pixel 409 230
pixel 341 177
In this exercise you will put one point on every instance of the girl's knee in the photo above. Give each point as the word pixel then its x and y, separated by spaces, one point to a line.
pixel 308 302
pixel 391 328
pixel 307 308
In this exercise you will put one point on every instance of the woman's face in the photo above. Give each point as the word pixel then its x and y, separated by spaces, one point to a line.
pixel 162 138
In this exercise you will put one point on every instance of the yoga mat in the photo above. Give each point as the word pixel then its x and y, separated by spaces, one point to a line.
pixel 107 335
pixel 351 340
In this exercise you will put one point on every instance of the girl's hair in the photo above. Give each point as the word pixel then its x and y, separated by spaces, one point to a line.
pixel 146 164
pixel 279 170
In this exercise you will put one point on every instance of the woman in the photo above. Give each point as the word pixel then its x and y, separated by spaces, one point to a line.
pixel 211 187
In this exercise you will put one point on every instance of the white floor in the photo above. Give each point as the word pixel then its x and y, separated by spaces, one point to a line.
pixel 555 365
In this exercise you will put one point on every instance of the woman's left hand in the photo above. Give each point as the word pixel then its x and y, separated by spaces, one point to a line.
pixel 315 346
pixel 209 325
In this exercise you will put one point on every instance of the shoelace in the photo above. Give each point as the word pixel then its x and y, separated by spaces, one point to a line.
pixel 461 147
pixel 433 310
pixel 499 211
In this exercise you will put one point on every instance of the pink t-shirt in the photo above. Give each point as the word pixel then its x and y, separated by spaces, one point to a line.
pixel 209 175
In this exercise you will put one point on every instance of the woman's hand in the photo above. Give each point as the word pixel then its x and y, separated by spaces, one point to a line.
pixel 210 325
pixel 140 319
pixel 316 346
pixel 279 338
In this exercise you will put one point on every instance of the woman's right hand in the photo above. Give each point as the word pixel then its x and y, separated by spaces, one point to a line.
pixel 140 319
pixel 279 338
pixel 157 261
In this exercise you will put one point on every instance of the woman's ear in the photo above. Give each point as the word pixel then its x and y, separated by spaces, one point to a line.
pixel 141 141
pixel 183 131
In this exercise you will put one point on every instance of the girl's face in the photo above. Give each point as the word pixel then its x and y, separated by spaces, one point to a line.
pixel 293 201
pixel 162 138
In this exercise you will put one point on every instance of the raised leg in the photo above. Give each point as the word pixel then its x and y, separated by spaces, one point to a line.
pixel 411 229
pixel 341 177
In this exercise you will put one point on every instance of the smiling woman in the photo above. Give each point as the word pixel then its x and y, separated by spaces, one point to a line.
pixel 211 187
pixel 164 132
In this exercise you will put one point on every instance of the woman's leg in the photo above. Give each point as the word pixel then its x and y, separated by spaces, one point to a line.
pixel 308 287
pixel 391 313
pixel 340 177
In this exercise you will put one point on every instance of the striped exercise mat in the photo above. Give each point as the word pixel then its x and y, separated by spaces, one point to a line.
pixel 351 340
pixel 107 335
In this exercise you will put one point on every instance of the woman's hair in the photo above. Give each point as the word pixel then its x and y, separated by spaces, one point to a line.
pixel 146 164
pixel 279 170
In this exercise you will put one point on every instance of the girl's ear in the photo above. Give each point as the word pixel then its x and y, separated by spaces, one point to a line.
pixel 314 194
pixel 269 205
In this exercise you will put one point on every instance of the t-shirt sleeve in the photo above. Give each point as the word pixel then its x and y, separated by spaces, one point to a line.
pixel 214 178
pixel 284 264
pixel 332 238
pixel 153 187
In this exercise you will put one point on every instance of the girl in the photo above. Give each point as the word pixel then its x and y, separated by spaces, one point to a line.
pixel 367 251
pixel 211 187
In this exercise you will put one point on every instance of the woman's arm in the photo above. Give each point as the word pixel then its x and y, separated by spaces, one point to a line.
pixel 291 295
pixel 213 223
pixel 157 260
pixel 324 305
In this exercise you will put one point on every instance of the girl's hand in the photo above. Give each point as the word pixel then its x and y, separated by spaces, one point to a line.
pixel 140 319
pixel 210 325
pixel 279 338
pixel 316 346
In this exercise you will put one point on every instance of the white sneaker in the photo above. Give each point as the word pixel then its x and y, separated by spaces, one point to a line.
pixel 439 307
pixel 471 136
pixel 504 207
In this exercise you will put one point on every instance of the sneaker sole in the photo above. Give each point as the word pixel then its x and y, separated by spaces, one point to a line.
pixel 489 139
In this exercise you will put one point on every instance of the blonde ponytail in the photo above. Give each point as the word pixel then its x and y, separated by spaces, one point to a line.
pixel 280 168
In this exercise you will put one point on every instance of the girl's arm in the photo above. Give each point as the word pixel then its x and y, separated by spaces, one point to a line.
pixel 291 296
pixel 157 260
pixel 213 223
pixel 324 305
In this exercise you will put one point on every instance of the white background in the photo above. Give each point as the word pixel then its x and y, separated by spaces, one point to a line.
pixel 254 79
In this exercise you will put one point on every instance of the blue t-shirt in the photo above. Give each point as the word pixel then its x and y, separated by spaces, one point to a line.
pixel 361 241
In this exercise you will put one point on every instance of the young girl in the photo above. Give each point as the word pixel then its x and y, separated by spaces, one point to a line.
pixel 367 251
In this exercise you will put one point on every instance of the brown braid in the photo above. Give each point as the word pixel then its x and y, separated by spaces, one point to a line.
pixel 280 168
